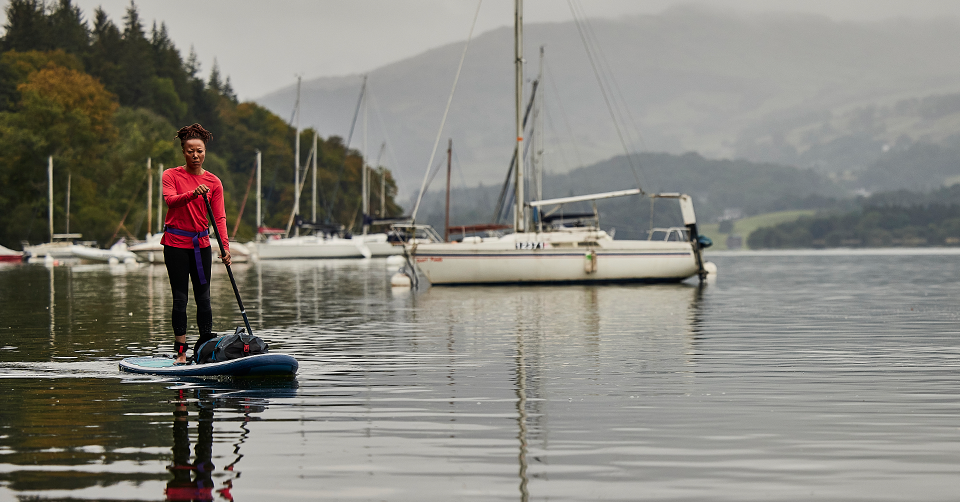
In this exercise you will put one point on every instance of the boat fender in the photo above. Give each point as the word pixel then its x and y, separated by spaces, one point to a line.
pixel 401 280
pixel 590 262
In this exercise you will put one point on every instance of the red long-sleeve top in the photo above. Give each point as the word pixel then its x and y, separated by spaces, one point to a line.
pixel 187 211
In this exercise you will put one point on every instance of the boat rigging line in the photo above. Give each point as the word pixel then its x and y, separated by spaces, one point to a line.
pixel 607 69
pixel 433 153
pixel 383 127
pixel 502 199
pixel 603 91
pixel 563 113
pixel 346 153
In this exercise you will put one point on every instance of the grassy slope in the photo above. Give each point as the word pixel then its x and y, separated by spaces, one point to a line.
pixel 746 226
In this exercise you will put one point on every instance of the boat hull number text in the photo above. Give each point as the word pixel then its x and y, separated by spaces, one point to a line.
pixel 530 245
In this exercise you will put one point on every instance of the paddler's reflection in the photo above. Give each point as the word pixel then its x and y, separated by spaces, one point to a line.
pixel 193 480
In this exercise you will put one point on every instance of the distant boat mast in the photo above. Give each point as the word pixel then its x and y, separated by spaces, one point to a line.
pixel 519 218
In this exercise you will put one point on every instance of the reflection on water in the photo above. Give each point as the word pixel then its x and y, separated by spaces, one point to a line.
pixel 810 376
pixel 193 478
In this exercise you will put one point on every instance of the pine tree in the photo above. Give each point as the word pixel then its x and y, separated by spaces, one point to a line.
pixel 193 63
pixel 27 27
pixel 136 62
pixel 68 30
pixel 228 91
pixel 214 82
pixel 103 57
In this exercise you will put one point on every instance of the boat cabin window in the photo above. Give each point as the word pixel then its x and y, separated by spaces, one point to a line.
pixel 674 234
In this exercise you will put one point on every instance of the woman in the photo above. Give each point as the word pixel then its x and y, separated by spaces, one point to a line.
pixel 186 244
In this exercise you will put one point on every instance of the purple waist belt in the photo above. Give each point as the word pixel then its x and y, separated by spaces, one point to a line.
pixel 196 246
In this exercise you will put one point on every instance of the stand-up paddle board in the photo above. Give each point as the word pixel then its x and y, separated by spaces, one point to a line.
pixel 260 365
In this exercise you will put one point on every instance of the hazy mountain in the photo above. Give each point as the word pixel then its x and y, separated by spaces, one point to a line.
pixel 794 89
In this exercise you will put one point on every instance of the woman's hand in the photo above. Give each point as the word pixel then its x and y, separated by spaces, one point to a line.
pixel 200 190
pixel 226 258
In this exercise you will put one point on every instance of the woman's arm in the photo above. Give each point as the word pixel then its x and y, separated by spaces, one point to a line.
pixel 170 195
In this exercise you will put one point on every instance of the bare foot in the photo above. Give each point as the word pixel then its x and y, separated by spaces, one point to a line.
pixel 181 359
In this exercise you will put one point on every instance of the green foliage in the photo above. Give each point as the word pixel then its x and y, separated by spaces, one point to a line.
pixel 890 219
pixel 61 112
pixel 103 99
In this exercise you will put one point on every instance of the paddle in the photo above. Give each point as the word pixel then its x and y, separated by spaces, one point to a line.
pixel 223 251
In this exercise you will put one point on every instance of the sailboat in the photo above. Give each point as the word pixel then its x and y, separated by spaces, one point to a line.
pixel 327 241
pixel 62 245
pixel 551 250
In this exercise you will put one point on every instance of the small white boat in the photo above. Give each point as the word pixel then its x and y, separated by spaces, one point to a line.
pixel 118 253
pixel 61 247
pixel 327 246
pixel 151 251
pixel 9 255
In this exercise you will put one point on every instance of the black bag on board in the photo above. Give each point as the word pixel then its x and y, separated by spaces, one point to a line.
pixel 227 347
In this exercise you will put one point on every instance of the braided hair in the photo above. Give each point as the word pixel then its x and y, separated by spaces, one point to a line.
pixel 195 131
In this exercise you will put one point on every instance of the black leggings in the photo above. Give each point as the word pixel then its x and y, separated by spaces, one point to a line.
pixel 182 264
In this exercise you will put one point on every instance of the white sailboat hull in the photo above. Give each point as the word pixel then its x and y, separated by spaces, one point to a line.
pixel 316 247
pixel 552 258
pixel 152 251
pixel 58 250
pixel 379 246
pixel 120 255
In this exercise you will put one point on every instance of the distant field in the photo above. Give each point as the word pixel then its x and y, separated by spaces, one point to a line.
pixel 746 226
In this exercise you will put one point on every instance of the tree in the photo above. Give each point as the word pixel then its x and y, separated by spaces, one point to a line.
pixel 68 30
pixel 103 57
pixel 135 63
pixel 27 27
pixel 61 112
pixel 15 67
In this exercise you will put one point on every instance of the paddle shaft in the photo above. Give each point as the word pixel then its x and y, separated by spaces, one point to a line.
pixel 223 252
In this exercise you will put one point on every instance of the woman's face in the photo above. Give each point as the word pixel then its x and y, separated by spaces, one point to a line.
pixel 194 152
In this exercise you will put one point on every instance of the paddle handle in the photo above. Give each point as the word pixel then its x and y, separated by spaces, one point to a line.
pixel 216 232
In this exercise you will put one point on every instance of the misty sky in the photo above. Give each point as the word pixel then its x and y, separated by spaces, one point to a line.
pixel 262 46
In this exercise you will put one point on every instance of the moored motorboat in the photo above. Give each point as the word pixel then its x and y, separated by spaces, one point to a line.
pixel 118 253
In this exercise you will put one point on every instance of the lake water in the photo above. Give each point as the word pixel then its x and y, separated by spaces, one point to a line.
pixel 796 376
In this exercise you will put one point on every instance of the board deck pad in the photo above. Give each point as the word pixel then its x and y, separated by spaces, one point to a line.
pixel 260 365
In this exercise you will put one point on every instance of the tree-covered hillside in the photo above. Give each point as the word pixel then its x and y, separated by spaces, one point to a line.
pixel 102 98
pixel 899 218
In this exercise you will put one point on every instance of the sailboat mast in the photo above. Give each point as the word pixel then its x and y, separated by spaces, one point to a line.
pixel 315 153
pixel 383 192
pixel 69 180
pixel 50 190
pixel 538 143
pixel 364 180
pixel 538 123
pixel 259 192
pixel 446 217
pixel 296 162
pixel 149 196
pixel 519 218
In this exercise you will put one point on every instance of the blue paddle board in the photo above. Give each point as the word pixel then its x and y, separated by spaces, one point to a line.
pixel 260 365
